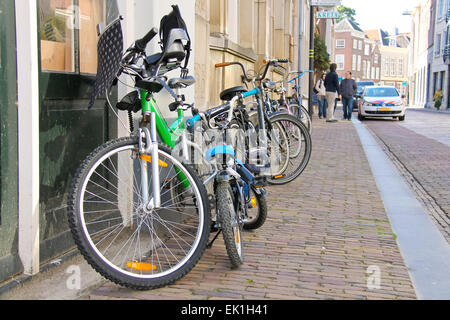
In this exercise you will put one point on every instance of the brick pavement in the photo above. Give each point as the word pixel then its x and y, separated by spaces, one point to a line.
pixel 426 160
pixel 322 233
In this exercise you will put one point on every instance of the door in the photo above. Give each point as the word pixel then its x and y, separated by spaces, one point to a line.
pixel 68 131
pixel 9 261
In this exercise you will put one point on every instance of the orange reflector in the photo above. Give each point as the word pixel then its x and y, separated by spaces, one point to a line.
pixel 149 159
pixel 278 177
pixel 237 237
pixel 253 202
pixel 141 266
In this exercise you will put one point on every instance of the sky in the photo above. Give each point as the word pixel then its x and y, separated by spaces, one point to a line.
pixel 384 14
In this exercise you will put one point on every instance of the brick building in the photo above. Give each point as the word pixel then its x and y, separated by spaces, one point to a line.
pixel 356 53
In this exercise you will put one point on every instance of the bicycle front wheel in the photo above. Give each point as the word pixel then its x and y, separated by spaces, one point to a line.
pixel 119 235
pixel 230 223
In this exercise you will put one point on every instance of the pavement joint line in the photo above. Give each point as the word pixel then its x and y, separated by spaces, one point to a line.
pixel 425 250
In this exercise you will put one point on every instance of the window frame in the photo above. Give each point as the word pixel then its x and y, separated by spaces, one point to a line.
pixel 76 50
pixel 338 62
pixel 337 44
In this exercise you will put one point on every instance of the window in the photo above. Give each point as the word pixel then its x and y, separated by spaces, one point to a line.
pixel 400 67
pixel 354 62
pixel 340 44
pixel 440 10
pixel 364 68
pixel 376 58
pixel 437 51
pixel 381 92
pixel 386 66
pixel 340 61
pixel 57 38
pixel 359 63
pixel 377 74
pixel 393 67
pixel 442 80
pixel 367 49
pixel 355 44
pixel 360 45
pixel 68 33
pixel 369 69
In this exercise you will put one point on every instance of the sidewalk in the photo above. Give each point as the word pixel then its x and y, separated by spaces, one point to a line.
pixel 325 235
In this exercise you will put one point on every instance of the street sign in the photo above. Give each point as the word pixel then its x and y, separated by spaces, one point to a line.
pixel 327 15
pixel 326 3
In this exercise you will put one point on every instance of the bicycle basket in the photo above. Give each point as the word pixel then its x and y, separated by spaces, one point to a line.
pixel 110 49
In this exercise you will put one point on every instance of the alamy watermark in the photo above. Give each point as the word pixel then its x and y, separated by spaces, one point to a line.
pixel 373 278
pixel 73 282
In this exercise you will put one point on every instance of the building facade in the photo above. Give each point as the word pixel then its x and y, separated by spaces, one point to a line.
pixel 439 69
pixel 355 52
pixel 421 44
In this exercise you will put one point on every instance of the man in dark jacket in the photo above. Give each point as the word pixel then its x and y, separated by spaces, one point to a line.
pixel 348 90
pixel 332 91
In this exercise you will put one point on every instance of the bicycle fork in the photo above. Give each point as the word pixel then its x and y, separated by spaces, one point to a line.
pixel 148 144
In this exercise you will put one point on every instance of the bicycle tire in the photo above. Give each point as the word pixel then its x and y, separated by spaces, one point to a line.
pixel 306 145
pixel 261 213
pixel 304 116
pixel 230 224
pixel 102 171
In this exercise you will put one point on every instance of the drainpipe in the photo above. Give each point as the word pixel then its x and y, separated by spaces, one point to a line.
pixel 311 60
pixel 300 40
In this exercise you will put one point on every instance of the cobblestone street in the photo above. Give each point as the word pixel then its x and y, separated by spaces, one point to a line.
pixel 421 147
pixel 324 236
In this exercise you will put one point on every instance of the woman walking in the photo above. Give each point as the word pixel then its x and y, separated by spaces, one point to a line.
pixel 322 96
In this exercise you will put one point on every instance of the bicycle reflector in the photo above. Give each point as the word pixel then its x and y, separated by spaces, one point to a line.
pixel 253 202
pixel 149 160
pixel 141 266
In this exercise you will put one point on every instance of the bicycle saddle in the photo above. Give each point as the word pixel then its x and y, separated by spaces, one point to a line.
pixel 180 83
pixel 229 94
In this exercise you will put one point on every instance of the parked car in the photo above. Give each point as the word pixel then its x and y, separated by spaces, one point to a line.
pixel 361 85
pixel 383 101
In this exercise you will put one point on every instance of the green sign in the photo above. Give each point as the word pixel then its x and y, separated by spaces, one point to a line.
pixel 328 15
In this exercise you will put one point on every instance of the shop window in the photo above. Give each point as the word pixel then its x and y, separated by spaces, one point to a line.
pixel 68 32
pixel 57 36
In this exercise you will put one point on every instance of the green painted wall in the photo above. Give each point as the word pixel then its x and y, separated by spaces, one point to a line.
pixel 9 261
pixel 68 133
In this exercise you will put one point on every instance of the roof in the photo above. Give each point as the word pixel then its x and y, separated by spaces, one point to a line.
pixel 354 25
pixel 378 35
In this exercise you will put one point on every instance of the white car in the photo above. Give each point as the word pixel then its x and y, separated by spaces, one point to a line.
pixel 381 101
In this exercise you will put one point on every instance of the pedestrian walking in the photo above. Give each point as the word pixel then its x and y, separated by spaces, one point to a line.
pixel 348 90
pixel 322 96
pixel 332 91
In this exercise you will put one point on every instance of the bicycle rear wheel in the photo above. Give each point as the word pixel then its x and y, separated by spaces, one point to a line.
pixel 300 112
pixel 299 142
pixel 116 232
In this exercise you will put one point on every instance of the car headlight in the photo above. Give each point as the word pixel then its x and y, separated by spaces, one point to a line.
pixel 367 104
pixel 398 104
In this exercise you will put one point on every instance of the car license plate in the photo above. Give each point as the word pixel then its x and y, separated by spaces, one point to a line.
pixel 384 109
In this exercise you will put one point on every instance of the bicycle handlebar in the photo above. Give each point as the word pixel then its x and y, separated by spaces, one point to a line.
pixel 142 43
pixel 268 62
pixel 300 75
